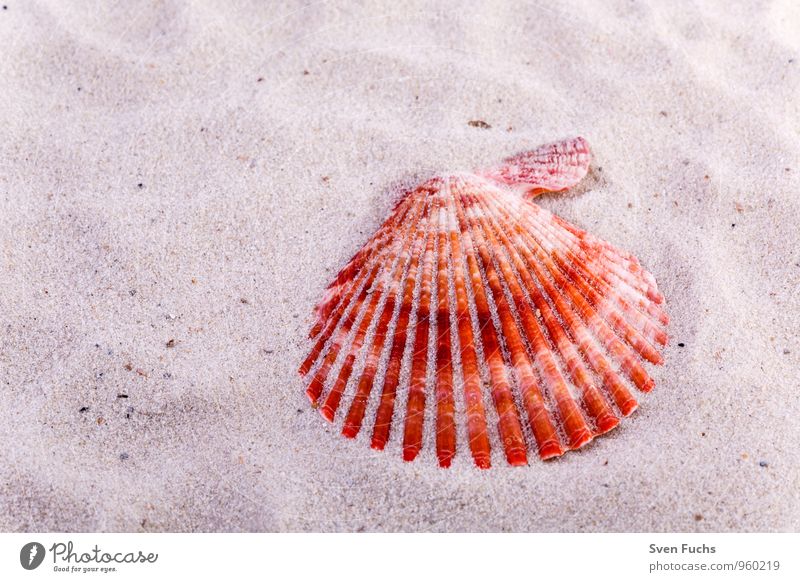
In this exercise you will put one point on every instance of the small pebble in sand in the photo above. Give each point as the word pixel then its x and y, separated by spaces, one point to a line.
pixel 83 409
pixel 123 456
pixel 479 123
pixel 140 185
pixel 128 366
pixel 698 517
pixel 681 344
pixel 171 343
pixel 763 464
pixel 101 420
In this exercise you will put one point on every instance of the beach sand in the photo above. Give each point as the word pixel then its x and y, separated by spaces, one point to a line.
pixel 180 181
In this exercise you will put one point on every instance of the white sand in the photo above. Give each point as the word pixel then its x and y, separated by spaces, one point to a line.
pixel 690 112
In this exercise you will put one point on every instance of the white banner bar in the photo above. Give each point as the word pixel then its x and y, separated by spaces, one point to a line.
pixel 401 557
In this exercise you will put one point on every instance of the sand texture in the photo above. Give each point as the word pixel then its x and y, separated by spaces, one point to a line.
pixel 180 180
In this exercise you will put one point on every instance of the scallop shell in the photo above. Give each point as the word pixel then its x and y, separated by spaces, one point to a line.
pixel 473 310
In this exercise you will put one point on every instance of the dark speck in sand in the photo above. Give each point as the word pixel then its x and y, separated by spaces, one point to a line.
pixel 305 72
pixel 129 412
pixel 244 301
pixel 83 409
pixel 260 80
pixel 268 352
pixel 140 185
pixel 680 345
pixel 763 464
pixel 167 375
pixel 698 517
pixel 662 113
pixel 123 456
pixel 122 395
pixel 733 225
pixel 132 292
pixel 171 343
pixel 786 352
pixel 479 123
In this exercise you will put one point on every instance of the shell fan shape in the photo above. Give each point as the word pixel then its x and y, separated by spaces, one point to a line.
pixel 475 317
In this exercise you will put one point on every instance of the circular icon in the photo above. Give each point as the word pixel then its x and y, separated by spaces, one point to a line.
pixel 31 555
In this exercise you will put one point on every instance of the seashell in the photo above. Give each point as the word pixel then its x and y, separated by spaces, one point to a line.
pixel 491 313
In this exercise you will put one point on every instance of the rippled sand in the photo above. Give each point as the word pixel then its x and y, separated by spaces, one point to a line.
pixel 178 183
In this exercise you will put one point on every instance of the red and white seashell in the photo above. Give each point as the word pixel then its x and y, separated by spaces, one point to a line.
pixel 490 312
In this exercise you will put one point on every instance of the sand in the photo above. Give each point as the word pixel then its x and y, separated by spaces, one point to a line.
pixel 179 181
